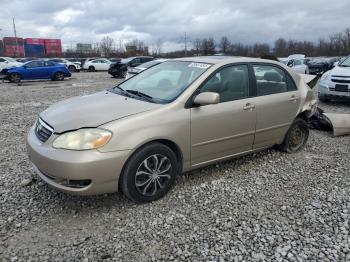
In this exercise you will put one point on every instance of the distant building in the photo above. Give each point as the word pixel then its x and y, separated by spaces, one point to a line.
pixel 84 48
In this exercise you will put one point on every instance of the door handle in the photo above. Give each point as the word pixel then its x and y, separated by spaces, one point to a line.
pixel 293 98
pixel 248 106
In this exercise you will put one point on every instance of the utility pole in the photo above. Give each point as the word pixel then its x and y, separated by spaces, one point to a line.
pixel 14 31
pixel 185 44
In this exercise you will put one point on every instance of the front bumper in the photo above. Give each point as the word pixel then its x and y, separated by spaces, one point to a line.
pixel 326 90
pixel 94 172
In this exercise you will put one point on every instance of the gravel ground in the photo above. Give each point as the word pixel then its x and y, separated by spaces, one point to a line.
pixel 267 206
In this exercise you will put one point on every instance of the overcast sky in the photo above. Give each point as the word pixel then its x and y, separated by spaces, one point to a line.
pixel 247 21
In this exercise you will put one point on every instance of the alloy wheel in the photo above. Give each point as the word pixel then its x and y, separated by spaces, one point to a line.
pixel 153 174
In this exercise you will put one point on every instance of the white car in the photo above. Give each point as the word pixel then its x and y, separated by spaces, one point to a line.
pixel 8 62
pixel 297 63
pixel 100 64
pixel 335 83
pixel 72 67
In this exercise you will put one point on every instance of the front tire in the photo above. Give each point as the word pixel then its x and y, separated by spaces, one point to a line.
pixel 92 69
pixel 72 69
pixel 123 74
pixel 15 78
pixel 150 173
pixel 296 136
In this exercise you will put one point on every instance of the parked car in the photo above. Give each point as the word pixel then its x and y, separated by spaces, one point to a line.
pixel 72 67
pixel 78 61
pixel 120 69
pixel 173 117
pixel 88 60
pixel 297 63
pixel 37 69
pixel 132 71
pixel 100 64
pixel 335 84
pixel 318 66
pixel 8 62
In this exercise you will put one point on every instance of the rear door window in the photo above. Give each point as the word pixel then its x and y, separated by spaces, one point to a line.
pixel 269 80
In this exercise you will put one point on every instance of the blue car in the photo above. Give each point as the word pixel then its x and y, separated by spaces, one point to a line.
pixel 37 69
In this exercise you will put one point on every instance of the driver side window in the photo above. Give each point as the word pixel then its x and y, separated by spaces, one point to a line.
pixel 231 83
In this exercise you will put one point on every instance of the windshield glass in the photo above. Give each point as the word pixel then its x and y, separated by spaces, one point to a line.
pixel 346 62
pixel 166 81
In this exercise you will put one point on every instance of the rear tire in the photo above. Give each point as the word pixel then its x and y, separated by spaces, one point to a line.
pixel 149 173
pixel 296 136
pixel 58 76
pixel 15 78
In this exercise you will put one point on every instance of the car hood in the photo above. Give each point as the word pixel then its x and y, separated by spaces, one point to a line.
pixel 92 110
pixel 340 71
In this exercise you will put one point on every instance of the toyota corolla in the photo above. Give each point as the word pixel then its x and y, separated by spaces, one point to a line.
pixel 174 117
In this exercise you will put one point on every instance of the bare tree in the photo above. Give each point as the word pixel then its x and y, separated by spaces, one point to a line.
pixel 107 45
pixel 208 46
pixel 197 44
pixel 224 44
pixel 158 47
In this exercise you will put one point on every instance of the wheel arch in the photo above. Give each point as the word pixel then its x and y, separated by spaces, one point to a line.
pixel 167 142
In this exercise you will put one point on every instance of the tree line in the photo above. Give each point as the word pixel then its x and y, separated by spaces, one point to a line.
pixel 335 45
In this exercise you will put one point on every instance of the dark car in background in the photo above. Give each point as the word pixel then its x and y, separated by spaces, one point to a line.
pixel 119 69
pixel 37 69
pixel 318 66
pixel 132 71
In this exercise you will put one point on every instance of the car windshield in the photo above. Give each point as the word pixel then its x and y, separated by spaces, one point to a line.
pixel 164 82
pixel 346 62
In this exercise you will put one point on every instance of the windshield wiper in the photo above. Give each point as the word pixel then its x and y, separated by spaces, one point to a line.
pixel 140 94
pixel 121 90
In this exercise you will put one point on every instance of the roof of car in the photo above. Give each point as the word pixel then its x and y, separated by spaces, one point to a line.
pixel 221 59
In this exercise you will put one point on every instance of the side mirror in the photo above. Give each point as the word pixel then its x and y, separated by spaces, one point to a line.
pixel 6 62
pixel 207 98
pixel 290 63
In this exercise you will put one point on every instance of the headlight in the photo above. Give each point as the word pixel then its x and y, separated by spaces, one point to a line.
pixel 326 76
pixel 83 139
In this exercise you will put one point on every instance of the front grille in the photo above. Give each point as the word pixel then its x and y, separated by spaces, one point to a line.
pixel 42 130
pixel 341 79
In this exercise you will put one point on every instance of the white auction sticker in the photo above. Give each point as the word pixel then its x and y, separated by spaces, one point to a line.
pixel 199 65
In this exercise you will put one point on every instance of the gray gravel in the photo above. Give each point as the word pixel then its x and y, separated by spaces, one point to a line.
pixel 267 206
